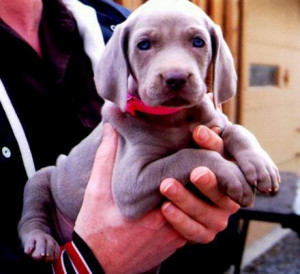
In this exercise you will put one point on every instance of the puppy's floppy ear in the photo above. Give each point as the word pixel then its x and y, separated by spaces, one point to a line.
pixel 225 78
pixel 111 76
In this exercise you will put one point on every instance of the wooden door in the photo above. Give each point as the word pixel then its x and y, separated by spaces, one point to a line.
pixel 271 78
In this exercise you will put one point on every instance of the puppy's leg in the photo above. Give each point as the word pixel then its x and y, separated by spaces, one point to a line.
pixel 137 195
pixel 35 224
pixel 258 168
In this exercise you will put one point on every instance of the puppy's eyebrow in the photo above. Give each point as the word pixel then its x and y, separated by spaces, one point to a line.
pixel 196 30
pixel 146 33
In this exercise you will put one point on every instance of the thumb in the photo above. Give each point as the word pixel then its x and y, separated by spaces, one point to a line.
pixel 101 175
pixel 208 139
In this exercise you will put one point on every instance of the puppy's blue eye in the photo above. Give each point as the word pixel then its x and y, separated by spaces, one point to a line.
pixel 198 42
pixel 144 44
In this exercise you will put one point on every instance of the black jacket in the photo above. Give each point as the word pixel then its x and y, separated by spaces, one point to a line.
pixel 12 170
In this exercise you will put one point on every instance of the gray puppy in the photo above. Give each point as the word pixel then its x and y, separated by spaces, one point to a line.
pixel 161 54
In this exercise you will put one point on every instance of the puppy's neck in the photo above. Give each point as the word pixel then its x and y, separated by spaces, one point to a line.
pixel 175 120
pixel 136 105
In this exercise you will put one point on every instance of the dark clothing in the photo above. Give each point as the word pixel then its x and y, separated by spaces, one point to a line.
pixel 55 97
pixel 57 104
pixel 109 15
pixel 213 258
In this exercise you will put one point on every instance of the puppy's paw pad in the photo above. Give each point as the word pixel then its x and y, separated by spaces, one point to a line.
pixel 41 246
pixel 260 171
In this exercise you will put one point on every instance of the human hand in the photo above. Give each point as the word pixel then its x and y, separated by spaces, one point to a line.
pixel 209 139
pixel 121 245
pixel 193 218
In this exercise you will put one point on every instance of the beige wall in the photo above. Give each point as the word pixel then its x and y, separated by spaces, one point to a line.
pixel 273 113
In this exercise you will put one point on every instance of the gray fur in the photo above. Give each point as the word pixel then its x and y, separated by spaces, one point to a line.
pixel 151 147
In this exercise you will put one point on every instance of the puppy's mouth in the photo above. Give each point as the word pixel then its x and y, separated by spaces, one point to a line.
pixel 177 102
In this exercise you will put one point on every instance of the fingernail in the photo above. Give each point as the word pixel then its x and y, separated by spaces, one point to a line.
pixel 168 208
pixel 202 133
pixel 200 174
pixel 217 130
pixel 168 187
pixel 107 130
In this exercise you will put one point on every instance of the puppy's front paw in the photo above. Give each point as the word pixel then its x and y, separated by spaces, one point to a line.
pixel 232 182
pixel 41 246
pixel 260 171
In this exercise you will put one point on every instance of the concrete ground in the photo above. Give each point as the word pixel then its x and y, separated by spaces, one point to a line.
pixel 276 253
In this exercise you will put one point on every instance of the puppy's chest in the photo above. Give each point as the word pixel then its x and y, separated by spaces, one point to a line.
pixel 163 141
pixel 161 135
pixel 174 138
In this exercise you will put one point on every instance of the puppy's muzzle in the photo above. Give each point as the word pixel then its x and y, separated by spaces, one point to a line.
pixel 178 87
pixel 175 80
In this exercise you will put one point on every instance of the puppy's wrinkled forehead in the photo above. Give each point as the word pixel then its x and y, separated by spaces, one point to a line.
pixel 171 17
pixel 168 22
pixel 184 6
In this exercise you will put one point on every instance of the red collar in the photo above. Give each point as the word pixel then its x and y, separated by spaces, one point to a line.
pixel 134 104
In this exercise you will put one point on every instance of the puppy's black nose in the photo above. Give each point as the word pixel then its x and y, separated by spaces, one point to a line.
pixel 175 80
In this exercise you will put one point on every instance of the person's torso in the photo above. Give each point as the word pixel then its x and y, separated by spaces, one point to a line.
pixel 57 104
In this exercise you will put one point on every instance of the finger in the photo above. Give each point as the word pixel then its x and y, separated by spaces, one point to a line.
pixel 208 139
pixel 183 199
pixel 195 208
pixel 187 227
pixel 206 181
pixel 153 220
pixel 101 173
pixel 216 130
